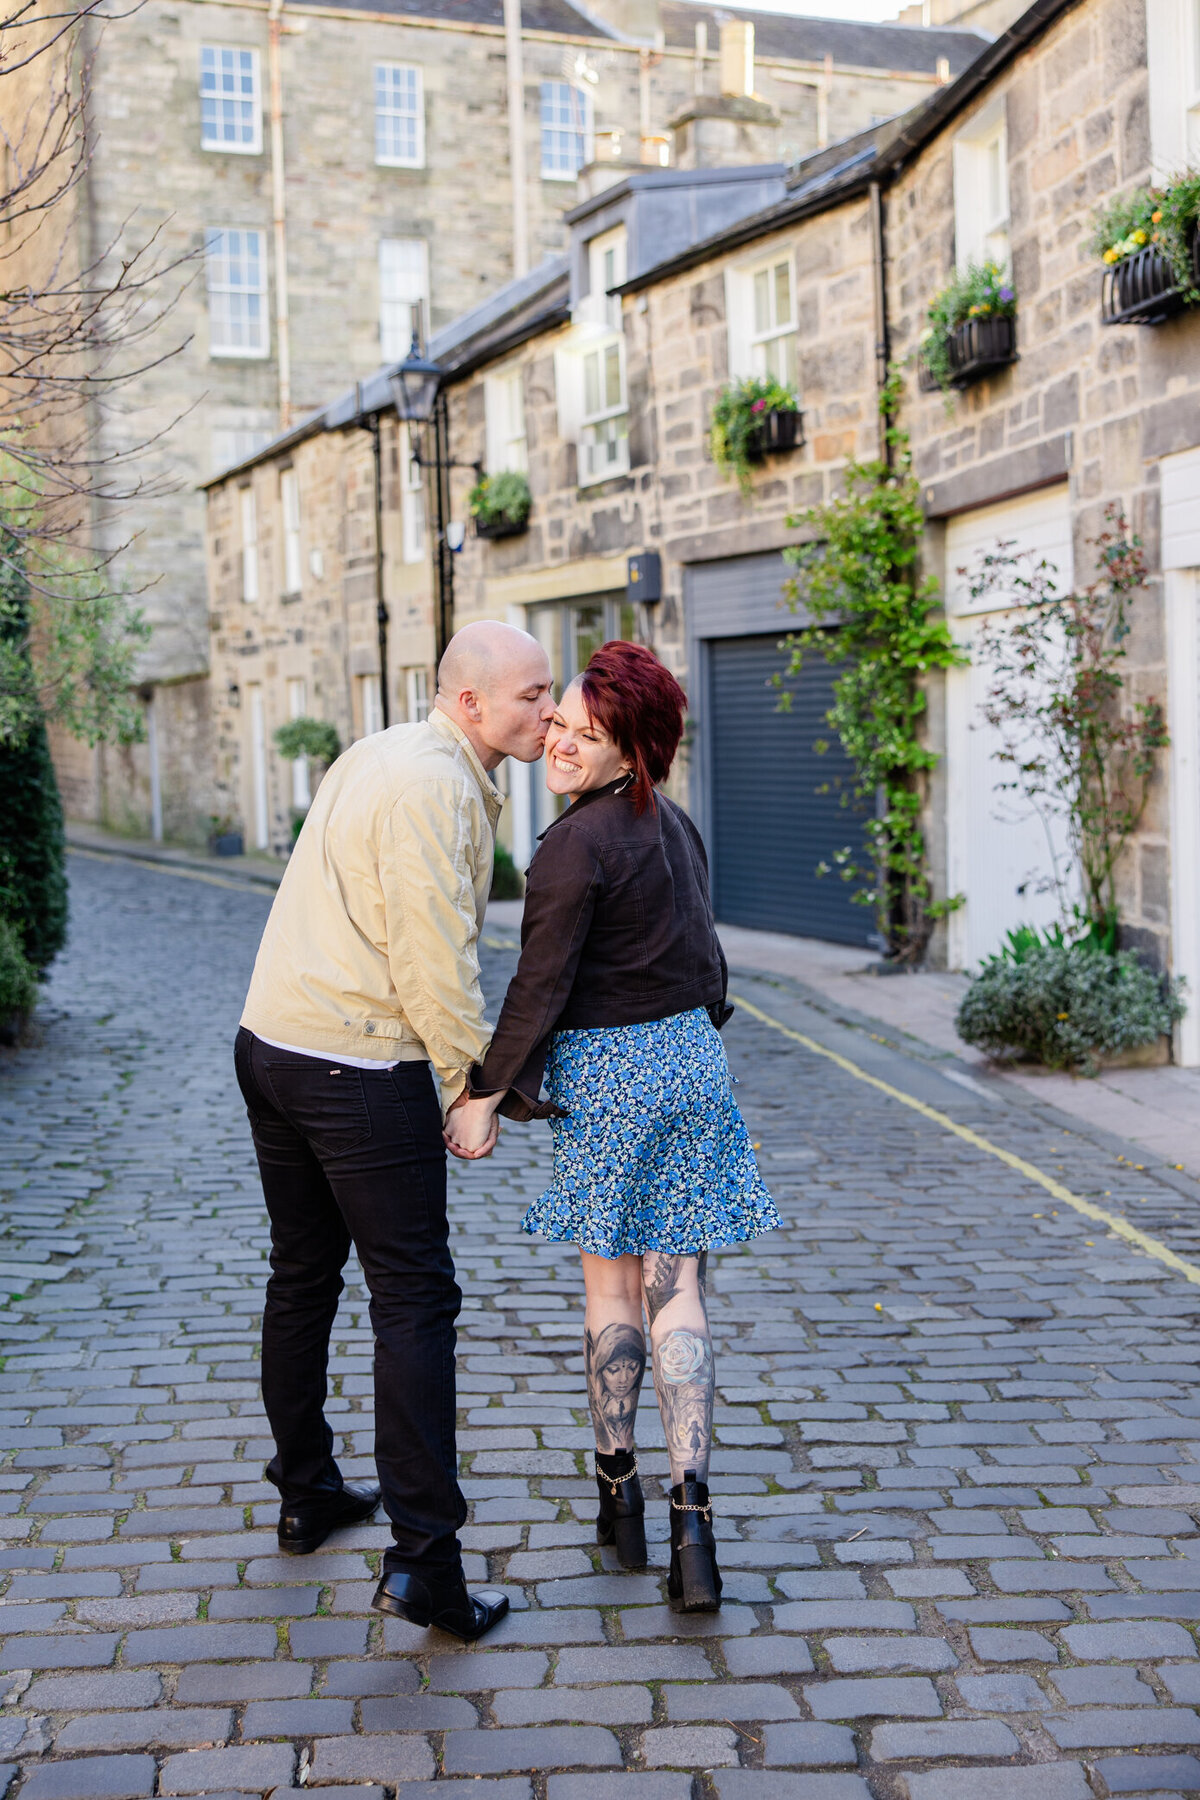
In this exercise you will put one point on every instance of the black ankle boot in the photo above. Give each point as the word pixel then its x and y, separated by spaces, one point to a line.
pixel 694 1580
pixel 622 1508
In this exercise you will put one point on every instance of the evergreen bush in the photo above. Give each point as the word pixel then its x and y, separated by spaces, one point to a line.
pixel 507 883
pixel 1067 1006
pixel 33 881
pixel 18 982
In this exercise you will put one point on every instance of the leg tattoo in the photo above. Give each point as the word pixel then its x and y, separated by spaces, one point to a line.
pixel 683 1363
pixel 615 1361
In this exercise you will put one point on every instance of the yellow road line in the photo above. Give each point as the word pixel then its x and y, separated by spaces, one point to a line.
pixel 1189 1270
pixel 166 868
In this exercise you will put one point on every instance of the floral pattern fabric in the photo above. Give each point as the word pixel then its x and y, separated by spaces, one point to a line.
pixel 654 1154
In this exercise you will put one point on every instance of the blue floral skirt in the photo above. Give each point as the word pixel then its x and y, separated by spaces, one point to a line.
pixel 654 1154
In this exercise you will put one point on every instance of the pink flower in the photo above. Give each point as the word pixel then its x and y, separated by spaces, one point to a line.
pixel 759 406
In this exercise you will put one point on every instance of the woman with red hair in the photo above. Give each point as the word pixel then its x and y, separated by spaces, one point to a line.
pixel 618 998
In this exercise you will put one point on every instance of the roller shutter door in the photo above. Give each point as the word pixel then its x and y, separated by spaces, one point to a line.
pixel 770 824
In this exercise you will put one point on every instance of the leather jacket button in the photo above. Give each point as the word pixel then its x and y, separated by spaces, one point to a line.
pixel 369 1027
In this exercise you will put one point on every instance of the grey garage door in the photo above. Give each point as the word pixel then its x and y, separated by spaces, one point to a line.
pixel 771 825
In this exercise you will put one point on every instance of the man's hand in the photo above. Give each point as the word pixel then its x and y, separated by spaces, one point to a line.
pixel 472 1126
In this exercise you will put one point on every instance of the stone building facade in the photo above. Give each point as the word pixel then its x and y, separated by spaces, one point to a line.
pixel 319 168
pixel 1088 416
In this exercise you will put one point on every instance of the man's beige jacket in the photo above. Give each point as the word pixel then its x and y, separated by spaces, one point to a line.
pixel 371 948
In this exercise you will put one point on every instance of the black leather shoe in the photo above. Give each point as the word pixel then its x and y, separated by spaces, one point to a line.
pixel 303 1529
pixel 621 1518
pixel 450 1607
pixel 693 1579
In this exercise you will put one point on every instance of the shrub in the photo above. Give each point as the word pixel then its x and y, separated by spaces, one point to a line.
pixel 981 291
pixel 1067 1005
pixel 18 982
pixel 504 497
pixel 507 881
pixel 308 737
pixel 1165 217
pixel 737 416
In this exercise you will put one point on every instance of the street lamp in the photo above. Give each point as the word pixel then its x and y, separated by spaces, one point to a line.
pixel 420 400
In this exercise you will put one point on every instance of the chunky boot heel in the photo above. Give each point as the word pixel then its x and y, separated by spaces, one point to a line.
pixel 620 1520
pixel 693 1580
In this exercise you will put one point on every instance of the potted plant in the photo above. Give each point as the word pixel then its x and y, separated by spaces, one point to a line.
pixel 971 328
pixel 224 838
pixel 752 419
pixel 500 504
pixel 1150 248
pixel 314 738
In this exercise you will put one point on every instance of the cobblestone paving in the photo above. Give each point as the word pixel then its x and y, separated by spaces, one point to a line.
pixel 957 1476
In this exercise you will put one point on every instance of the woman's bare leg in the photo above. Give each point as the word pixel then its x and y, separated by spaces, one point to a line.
pixel 614 1347
pixel 683 1360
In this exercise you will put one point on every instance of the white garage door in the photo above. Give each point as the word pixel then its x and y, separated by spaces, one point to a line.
pixel 999 850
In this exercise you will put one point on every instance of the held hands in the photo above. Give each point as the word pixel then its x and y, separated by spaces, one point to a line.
pixel 472 1126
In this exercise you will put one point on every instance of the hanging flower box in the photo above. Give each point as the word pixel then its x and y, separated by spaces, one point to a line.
pixel 500 505
pixel 751 420
pixel 1150 246
pixel 778 433
pixel 971 332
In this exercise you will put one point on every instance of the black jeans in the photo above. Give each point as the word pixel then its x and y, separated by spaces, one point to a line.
pixel 348 1155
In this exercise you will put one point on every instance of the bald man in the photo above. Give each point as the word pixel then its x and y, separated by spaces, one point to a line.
pixel 363 1019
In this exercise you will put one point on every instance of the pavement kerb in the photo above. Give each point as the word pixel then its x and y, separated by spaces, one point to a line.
pixel 169 865
pixel 1149 1245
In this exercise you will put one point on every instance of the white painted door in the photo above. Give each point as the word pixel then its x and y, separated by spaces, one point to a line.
pixel 1181 582
pixel 258 768
pixel 999 852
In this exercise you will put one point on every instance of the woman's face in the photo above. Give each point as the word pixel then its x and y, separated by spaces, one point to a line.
pixel 622 1374
pixel 579 755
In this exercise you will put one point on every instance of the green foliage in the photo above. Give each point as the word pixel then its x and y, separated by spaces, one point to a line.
pixel 874 616
pixel 18 982
pixel 33 883
pixel 1165 217
pixel 981 291
pixel 1025 940
pixel 68 641
pixel 501 498
pixel 1067 1005
pixel 1077 750
pixel 738 416
pixel 507 881
pixel 308 737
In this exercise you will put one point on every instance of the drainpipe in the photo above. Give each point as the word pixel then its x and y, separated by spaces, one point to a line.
pixel 381 611
pixel 513 56
pixel 279 214
pixel 883 348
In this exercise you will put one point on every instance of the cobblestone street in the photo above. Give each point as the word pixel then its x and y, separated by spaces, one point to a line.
pixel 957 1472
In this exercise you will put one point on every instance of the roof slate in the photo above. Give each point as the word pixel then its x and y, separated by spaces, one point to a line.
pixel 909 48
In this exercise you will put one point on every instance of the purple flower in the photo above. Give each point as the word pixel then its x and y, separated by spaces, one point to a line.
pixel 1006 293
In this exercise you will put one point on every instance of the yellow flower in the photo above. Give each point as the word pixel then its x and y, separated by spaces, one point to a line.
pixel 1064 1015
pixel 1139 236
pixel 1111 256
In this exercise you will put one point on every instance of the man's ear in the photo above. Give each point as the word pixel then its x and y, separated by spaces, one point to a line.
pixel 469 701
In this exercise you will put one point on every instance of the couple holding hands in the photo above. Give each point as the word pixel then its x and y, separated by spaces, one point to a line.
pixel 364 1054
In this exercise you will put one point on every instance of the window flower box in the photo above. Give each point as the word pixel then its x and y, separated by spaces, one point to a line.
pixel 1150 245
pixel 777 435
pixel 500 504
pixel 971 332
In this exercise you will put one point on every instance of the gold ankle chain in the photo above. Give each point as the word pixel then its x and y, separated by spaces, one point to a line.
pixel 679 1506
pixel 615 1481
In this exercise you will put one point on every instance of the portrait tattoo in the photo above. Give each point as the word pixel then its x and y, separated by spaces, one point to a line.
pixel 683 1376
pixel 615 1361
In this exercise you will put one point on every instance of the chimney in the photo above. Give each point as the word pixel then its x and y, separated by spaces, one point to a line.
pixel 737 59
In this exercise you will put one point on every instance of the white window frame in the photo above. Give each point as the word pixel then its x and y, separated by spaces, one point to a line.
pixel 370 704
pixel 981 198
pixel 416 694
pixel 504 417
pixel 297 696
pixel 289 507
pixel 391 117
pixel 412 501
pixel 606 269
pixel 248 516
pixel 223 291
pixel 564 114
pixel 749 345
pixel 402 291
pixel 1173 65
pixel 597 425
pixel 224 69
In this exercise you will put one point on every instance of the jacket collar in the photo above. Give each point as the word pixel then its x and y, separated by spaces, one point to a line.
pixel 445 727
pixel 610 787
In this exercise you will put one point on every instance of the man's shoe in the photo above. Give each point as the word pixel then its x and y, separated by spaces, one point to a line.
pixel 304 1528
pixel 449 1607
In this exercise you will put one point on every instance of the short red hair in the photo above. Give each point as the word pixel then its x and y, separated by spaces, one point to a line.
pixel 641 706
